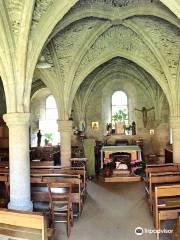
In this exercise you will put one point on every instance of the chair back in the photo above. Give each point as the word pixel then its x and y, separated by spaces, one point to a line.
pixel 59 191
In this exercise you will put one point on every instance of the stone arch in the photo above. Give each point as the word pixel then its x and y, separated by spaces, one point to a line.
pixel 90 41
pixel 116 53
pixel 132 26
pixel 157 53
pixel 36 44
pixel 36 86
pixel 47 78
pixel 103 75
pixel 147 10
pixel 173 5
pixel 7 53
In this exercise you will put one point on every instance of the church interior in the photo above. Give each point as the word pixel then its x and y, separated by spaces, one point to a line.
pixel 90 119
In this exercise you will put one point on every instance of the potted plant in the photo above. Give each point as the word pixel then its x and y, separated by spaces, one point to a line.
pixel 108 166
pixel 48 138
pixel 119 119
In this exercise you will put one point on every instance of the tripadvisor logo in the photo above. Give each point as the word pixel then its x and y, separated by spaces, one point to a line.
pixel 139 231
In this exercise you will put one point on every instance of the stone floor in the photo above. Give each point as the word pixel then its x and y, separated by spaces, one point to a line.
pixel 112 212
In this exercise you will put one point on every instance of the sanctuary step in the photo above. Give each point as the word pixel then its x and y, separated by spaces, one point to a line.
pixel 116 179
pixel 120 172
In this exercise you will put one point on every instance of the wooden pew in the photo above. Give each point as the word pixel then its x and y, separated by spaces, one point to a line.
pixel 64 170
pixel 42 163
pixel 159 179
pixel 56 170
pixel 4 164
pixel 4 180
pixel 158 168
pixel 167 204
pixel 37 181
pixel 4 169
pixel 24 225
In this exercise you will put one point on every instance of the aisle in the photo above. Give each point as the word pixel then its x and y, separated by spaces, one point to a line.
pixel 112 212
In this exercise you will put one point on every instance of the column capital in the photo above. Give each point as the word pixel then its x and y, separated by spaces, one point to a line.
pixel 16 118
pixel 64 125
pixel 175 122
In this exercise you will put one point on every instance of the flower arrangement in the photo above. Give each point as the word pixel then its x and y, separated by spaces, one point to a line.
pixel 119 116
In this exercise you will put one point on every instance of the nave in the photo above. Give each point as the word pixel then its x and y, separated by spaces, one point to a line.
pixel 112 211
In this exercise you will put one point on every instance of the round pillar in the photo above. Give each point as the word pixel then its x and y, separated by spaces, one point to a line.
pixel 65 128
pixel 19 163
pixel 175 125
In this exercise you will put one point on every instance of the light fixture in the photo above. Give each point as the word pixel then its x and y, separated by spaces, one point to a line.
pixel 43 64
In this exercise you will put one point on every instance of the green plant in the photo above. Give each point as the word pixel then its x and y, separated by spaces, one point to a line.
pixel 119 116
pixel 48 136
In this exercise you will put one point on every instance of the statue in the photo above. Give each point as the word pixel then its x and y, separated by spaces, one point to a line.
pixel 39 135
pixel 144 113
pixel 109 128
pixel 133 127
pixel 82 126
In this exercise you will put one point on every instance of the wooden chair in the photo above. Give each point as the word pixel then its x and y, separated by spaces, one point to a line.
pixel 167 204
pixel 24 225
pixel 74 180
pixel 61 203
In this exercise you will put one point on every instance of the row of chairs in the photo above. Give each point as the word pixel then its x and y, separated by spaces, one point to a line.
pixel 162 185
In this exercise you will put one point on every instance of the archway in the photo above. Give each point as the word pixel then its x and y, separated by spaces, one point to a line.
pixel 44 117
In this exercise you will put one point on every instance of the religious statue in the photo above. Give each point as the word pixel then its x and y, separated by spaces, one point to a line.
pixel 82 126
pixel 39 135
pixel 144 114
pixel 133 127
pixel 109 128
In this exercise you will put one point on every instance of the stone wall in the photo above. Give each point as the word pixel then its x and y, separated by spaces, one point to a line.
pixel 98 109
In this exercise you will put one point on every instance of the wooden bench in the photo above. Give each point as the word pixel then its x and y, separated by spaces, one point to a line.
pixel 65 170
pixel 4 181
pixel 159 179
pixel 42 163
pixel 38 181
pixel 24 225
pixel 166 205
pixel 4 163
pixel 159 168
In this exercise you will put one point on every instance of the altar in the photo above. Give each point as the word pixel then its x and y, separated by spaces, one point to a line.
pixel 134 150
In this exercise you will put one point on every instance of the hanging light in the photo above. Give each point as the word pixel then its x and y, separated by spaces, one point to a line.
pixel 42 63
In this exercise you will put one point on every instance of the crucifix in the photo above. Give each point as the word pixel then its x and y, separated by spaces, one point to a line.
pixel 144 114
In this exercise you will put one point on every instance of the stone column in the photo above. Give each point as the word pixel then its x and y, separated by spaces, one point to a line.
pixel 20 195
pixel 65 128
pixel 175 125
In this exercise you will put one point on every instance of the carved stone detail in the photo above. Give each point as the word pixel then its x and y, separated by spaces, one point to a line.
pixel 119 38
pixel 165 36
pixel 40 8
pixel 15 8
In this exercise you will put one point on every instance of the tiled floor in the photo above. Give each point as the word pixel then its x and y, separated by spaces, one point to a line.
pixel 113 212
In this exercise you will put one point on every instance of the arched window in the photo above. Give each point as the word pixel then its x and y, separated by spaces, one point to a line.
pixel 48 125
pixel 51 109
pixel 120 102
